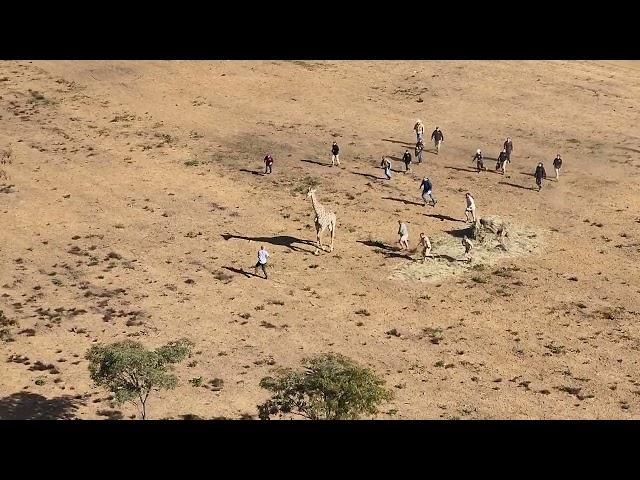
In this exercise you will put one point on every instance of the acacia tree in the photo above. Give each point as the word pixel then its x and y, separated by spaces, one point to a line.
pixel 131 372
pixel 330 387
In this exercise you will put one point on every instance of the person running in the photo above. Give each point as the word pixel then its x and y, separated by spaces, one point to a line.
pixel 268 164
pixel 335 154
pixel 419 128
pixel 468 245
pixel 262 262
pixel 427 188
pixel 403 231
pixel 557 165
pixel 406 158
pixel 386 164
pixel 426 246
pixel 419 151
pixel 503 159
pixel 508 146
pixel 540 174
pixel 479 159
pixel 471 208
pixel 437 137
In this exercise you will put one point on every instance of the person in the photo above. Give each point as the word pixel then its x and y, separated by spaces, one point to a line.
pixel 386 164
pixel 268 164
pixel 479 159
pixel 335 154
pixel 427 187
pixel 419 128
pixel 426 246
pixel 540 174
pixel 437 138
pixel 468 245
pixel 557 164
pixel 508 146
pixel 262 261
pixel 503 158
pixel 406 158
pixel 471 208
pixel 419 151
pixel 403 231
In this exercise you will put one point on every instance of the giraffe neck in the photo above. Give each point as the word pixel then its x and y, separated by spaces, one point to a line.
pixel 316 205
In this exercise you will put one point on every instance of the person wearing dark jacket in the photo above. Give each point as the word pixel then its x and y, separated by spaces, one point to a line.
pixel 540 174
pixel 419 151
pixel 479 159
pixel 268 164
pixel 427 188
pixel 406 158
pixel 335 154
pixel 557 164
pixel 503 159
pixel 508 146
pixel 437 138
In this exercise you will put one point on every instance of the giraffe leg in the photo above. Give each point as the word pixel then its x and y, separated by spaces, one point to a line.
pixel 333 235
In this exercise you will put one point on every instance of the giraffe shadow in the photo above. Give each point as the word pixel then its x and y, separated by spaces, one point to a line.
pixel 406 202
pixel 280 240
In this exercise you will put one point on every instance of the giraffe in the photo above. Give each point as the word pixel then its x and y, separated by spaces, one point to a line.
pixel 324 219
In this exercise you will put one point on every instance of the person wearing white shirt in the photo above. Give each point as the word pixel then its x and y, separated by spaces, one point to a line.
pixel 471 208
pixel 262 261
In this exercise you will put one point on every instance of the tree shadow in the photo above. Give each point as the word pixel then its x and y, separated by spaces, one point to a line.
pixel 516 185
pixel 32 406
pixel 240 271
pixel 406 202
pixel 368 175
pixel 253 172
pixel 439 216
pixel 317 163
pixel 281 240
pixel 398 142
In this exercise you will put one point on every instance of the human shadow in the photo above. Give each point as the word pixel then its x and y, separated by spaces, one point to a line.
pixel 32 406
pixel 240 271
pixel 461 232
pixel 368 175
pixel 449 258
pixel 528 174
pixel 516 185
pixel 317 163
pixel 253 172
pixel 400 142
pixel 388 251
pixel 406 202
pixel 281 240
pixel 439 216
pixel 475 170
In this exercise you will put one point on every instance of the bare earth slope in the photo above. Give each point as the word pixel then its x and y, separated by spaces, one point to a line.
pixel 106 233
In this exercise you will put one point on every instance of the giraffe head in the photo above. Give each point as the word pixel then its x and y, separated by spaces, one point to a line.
pixel 311 192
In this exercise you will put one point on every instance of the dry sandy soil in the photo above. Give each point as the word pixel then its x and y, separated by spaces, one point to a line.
pixel 134 207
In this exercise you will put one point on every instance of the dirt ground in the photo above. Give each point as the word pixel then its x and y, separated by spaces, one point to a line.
pixel 134 206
